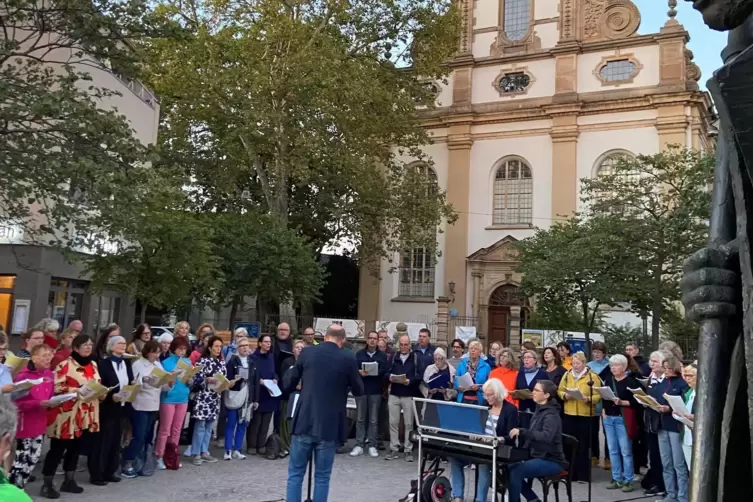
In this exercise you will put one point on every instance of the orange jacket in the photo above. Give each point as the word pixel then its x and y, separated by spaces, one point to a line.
pixel 507 376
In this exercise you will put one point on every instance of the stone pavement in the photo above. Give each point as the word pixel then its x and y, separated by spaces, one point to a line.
pixel 361 479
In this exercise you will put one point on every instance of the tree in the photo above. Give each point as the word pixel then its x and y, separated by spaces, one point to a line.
pixel 308 110
pixel 659 205
pixel 260 257
pixel 63 153
pixel 577 262
pixel 561 317
pixel 617 337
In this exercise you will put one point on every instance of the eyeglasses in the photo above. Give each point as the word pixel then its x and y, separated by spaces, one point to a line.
pixel 457 347
pixel 244 346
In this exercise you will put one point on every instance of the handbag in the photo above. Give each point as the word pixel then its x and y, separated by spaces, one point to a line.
pixel 236 399
pixel 629 416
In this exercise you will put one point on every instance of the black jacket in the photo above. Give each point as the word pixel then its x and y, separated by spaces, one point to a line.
pixel 282 350
pixel 521 383
pixel 643 365
pixel 543 437
pixel 373 384
pixel 507 421
pixel 234 366
pixel 109 409
pixel 329 373
pixel 409 368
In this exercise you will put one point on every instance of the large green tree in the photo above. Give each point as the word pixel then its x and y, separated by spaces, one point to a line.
pixel 307 111
pixel 659 206
pixel 63 152
pixel 578 262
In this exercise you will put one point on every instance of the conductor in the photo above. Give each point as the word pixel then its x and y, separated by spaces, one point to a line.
pixel 327 372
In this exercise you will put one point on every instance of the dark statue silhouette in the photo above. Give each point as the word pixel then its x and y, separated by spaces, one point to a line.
pixel 718 282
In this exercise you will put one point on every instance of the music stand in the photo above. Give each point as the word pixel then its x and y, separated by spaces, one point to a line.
pixel 459 424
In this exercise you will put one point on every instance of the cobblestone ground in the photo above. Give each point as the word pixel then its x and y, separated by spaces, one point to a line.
pixel 360 479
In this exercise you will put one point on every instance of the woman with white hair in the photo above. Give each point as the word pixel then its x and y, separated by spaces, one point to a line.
pixel 165 339
pixel 502 418
pixel 50 328
pixel 478 370
pixel 653 480
pixel 439 378
pixel 620 423
pixel 8 492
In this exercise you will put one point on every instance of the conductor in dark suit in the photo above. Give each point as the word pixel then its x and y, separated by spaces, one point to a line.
pixel 327 373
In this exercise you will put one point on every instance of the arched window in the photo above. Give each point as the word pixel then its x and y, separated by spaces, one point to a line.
pixel 516 19
pixel 609 161
pixel 513 193
pixel 417 264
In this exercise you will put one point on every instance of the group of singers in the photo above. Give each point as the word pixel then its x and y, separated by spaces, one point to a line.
pixel 561 393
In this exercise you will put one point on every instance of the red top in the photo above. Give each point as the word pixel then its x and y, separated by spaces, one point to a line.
pixel 51 341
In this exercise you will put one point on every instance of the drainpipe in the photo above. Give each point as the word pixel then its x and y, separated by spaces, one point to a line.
pixel 688 129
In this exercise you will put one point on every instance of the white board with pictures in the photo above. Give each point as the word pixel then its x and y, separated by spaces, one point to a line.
pixel 353 328
pixel 465 333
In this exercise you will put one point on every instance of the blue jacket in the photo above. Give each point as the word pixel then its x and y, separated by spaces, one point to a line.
pixel 409 368
pixel 327 373
pixel 229 350
pixel 482 375
pixel 520 384
pixel 265 367
pixel 674 386
pixel 425 357
pixel 179 393
pixel 372 384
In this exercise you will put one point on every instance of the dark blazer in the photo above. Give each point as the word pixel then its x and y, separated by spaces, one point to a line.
pixel 674 386
pixel 233 366
pixel 520 384
pixel 329 373
pixel 109 409
pixel 508 420
pixel 373 384
pixel 543 438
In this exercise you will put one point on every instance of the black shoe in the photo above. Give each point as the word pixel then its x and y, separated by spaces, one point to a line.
pixel 654 490
pixel 70 486
pixel 31 479
pixel 113 479
pixel 48 490
pixel 98 482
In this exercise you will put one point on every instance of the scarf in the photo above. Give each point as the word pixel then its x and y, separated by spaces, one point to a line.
pixel 598 366
pixel 577 376
pixel 85 363
pixel 472 367
pixel 117 360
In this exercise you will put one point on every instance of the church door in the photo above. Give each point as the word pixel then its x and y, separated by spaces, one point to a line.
pixel 500 302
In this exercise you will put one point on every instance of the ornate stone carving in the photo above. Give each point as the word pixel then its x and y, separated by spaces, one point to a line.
pixel 692 71
pixel 567 24
pixel 512 81
pixel 610 19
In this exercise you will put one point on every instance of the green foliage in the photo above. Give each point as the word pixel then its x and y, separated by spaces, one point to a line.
pixel 617 337
pixel 64 153
pixel 580 263
pixel 561 317
pixel 659 205
pixel 297 105
pixel 260 257
pixel 678 328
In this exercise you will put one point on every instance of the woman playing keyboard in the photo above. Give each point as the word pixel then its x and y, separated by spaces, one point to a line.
pixel 543 440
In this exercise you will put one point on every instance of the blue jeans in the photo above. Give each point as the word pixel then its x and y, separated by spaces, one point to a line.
pixel 301 448
pixel 202 433
pixel 530 469
pixel 142 423
pixel 457 478
pixel 620 449
pixel 674 468
pixel 235 430
pixel 367 408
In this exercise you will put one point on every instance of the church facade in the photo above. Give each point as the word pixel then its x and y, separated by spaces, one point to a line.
pixel 542 94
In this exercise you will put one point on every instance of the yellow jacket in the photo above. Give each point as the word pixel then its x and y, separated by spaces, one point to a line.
pixel 577 407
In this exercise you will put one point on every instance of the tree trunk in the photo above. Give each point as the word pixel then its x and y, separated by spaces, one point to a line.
pixel 233 313
pixel 657 307
pixel 142 315
pixel 587 328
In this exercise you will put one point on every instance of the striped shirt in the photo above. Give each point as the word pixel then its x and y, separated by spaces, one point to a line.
pixel 491 425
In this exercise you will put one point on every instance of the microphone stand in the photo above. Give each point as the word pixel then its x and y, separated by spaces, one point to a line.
pixel 590 431
pixel 311 475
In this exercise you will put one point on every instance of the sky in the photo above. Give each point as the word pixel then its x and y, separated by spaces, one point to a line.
pixel 705 43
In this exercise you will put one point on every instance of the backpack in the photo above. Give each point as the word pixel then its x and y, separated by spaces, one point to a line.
pixel 171 457
pixel 273 447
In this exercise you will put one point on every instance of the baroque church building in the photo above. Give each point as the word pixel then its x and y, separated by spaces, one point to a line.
pixel 542 93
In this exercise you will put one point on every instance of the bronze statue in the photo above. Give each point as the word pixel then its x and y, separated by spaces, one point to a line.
pixel 718 282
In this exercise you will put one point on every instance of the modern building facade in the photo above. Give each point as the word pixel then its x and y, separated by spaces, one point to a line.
pixel 542 94
pixel 38 282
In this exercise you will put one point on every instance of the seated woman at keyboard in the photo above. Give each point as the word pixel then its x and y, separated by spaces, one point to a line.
pixel 503 416
pixel 543 439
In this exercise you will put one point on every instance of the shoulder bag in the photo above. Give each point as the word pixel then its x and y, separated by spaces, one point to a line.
pixel 236 399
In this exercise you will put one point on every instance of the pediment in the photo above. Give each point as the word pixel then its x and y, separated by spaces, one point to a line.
pixel 500 251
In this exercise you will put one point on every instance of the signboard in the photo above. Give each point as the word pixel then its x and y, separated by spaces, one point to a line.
pixel 465 333
pixel 253 328
pixel 535 336
pixel 353 328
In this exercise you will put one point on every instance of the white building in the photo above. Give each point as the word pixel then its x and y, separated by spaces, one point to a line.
pixel 542 93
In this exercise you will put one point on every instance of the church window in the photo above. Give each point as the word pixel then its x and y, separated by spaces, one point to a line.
pixel 620 70
pixel 517 19
pixel 514 82
pixel 513 193
pixel 417 265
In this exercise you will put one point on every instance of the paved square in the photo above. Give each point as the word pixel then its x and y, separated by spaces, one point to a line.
pixel 360 479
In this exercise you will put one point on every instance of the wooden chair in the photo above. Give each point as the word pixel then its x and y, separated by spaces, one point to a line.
pixel 566 476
